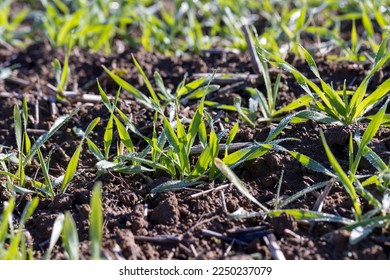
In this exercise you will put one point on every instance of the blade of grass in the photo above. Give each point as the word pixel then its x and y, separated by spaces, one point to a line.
pixel 55 234
pixel 45 171
pixel 296 214
pixel 96 222
pixel 174 186
pixel 70 237
pixel 146 81
pixel 71 169
pixel 370 132
pixel 348 186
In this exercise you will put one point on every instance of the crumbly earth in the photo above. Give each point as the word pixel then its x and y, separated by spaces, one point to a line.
pixel 179 225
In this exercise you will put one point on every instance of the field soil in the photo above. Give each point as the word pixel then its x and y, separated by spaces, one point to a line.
pixel 190 223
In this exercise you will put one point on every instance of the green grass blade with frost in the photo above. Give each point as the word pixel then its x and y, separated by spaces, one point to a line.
pixel 174 186
pixel 301 193
pixel 296 214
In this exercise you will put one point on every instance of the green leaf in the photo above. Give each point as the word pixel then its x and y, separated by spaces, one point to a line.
pixel 237 105
pixel 8 208
pixel 70 237
pixel 195 124
pixel 371 222
pixel 370 132
pixel 25 112
pixel 203 163
pixel 27 142
pixel 94 150
pixel 150 163
pixel 71 169
pixel 45 171
pixel 66 70
pixel 201 92
pixel 108 134
pixel 382 51
pixel 306 161
pixel 130 89
pixel 232 134
pixel 188 88
pixel 348 186
pixel 174 186
pixel 90 127
pixel 161 86
pixel 311 62
pixel 172 138
pixel 28 211
pixel 297 103
pixel 374 159
pixel 367 22
pixel 146 80
pixel 296 214
pixel 104 97
pixel 311 216
pixel 57 73
pixel 55 234
pixel 301 19
pixel 65 30
pixel 96 222
pixel 124 135
pixel 354 37
pixel 373 98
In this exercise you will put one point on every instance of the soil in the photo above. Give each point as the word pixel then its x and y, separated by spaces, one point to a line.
pixel 177 225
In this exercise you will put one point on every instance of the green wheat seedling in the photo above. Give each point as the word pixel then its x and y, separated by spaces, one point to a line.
pixel 13 244
pixel 159 101
pixel 96 222
pixel 74 160
pixel 169 151
pixel 362 223
pixel 60 184
pixel 343 106
pixel 265 103
pixel 106 161
pixel 18 181
pixel 65 227
pixel 62 73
